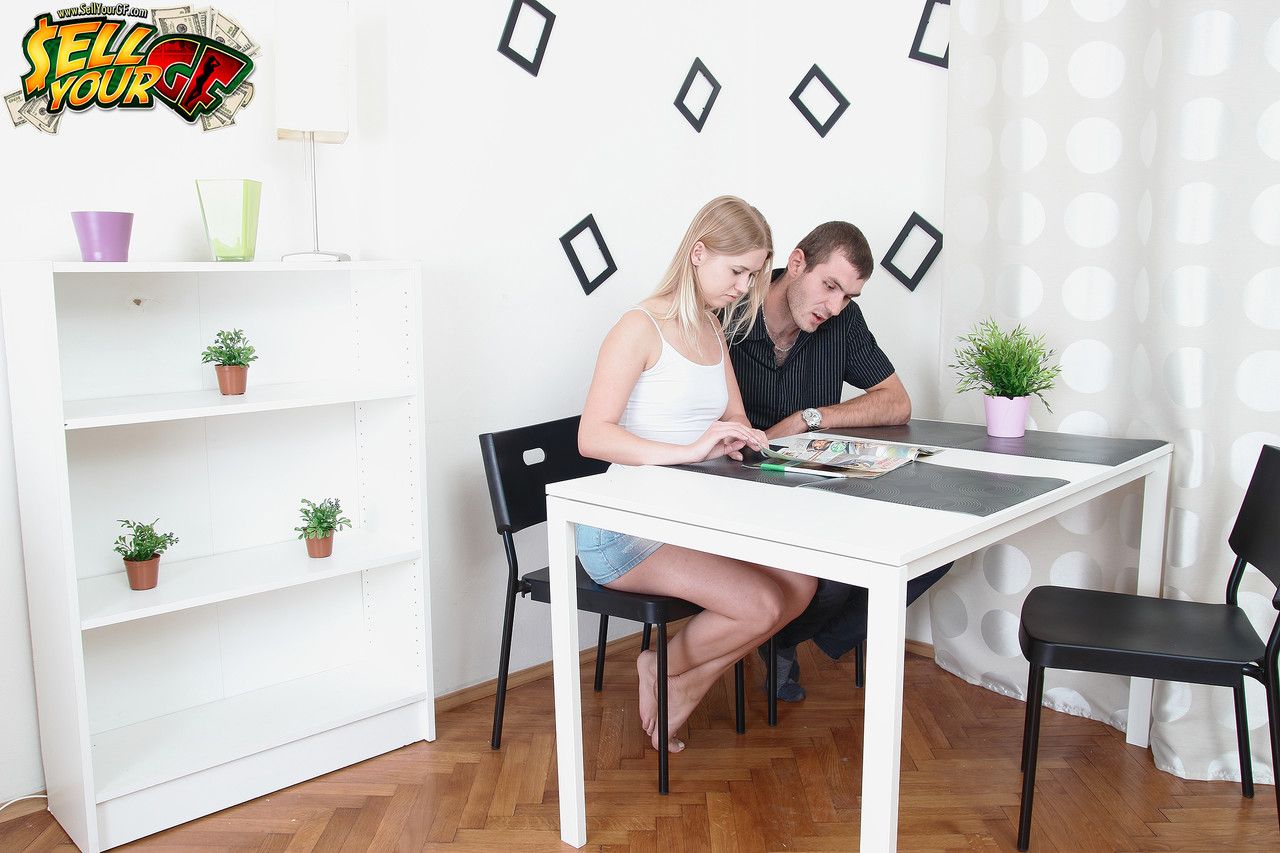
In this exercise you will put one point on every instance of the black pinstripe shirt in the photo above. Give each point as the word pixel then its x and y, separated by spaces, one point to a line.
pixel 841 350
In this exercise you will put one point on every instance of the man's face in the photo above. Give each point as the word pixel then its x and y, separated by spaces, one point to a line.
pixel 822 291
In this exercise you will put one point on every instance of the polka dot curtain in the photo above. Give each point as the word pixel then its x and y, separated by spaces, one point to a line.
pixel 1113 181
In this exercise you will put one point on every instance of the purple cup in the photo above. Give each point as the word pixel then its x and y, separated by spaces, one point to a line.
pixel 103 234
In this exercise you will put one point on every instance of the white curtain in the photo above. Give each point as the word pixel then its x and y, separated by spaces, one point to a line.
pixel 1113 181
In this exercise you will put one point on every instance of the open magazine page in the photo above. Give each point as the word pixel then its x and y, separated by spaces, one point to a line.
pixel 839 456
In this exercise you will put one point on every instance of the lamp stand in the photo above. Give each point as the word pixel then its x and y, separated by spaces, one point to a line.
pixel 315 254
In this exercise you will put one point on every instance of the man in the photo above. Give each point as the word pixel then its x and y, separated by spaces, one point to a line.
pixel 811 338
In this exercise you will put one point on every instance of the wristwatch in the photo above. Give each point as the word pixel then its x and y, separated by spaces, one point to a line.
pixel 812 419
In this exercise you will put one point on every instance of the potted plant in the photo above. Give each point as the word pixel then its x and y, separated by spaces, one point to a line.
pixel 141 548
pixel 1008 367
pixel 230 353
pixel 319 521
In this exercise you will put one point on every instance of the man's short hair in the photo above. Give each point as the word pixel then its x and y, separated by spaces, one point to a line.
pixel 843 237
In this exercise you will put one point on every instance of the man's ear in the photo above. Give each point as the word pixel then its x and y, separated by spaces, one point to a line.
pixel 796 262
pixel 697 254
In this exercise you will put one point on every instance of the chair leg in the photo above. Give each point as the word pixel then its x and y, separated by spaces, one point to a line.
pixel 860 663
pixel 1273 719
pixel 663 756
pixel 1030 740
pixel 604 638
pixel 740 696
pixel 504 662
pixel 644 639
pixel 771 682
pixel 1242 741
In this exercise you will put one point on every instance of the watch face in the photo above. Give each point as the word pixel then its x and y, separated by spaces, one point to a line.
pixel 812 418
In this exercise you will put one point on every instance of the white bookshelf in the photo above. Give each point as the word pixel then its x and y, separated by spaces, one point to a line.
pixel 250 666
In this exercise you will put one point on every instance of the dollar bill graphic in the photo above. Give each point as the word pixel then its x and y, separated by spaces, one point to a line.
pixel 13 101
pixel 225 114
pixel 176 21
pixel 226 30
pixel 37 112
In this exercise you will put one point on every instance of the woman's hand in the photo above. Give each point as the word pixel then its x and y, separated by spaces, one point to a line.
pixel 726 438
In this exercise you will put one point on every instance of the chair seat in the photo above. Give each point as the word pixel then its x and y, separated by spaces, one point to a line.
pixel 1094 631
pixel 653 609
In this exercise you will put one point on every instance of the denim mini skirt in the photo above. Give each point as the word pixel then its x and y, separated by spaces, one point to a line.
pixel 607 555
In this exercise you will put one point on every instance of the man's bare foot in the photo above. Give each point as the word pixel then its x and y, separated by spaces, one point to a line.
pixel 647 670
pixel 681 702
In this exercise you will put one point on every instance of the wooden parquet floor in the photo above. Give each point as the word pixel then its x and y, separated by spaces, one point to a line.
pixel 792 788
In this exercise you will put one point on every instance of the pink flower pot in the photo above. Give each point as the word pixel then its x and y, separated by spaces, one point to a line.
pixel 1006 416
pixel 103 234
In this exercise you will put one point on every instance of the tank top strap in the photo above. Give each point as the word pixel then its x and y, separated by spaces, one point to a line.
pixel 652 319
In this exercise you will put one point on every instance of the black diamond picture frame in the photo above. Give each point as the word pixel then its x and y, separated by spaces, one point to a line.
pixel 842 103
pixel 913 280
pixel 926 16
pixel 697 69
pixel 566 241
pixel 504 45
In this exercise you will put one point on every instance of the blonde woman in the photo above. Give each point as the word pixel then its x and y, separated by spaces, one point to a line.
pixel 664 393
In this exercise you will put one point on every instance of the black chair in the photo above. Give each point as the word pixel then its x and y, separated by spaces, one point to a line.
pixel 517 489
pixel 1165 639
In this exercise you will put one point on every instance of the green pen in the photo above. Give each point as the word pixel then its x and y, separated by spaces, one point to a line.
pixel 786 468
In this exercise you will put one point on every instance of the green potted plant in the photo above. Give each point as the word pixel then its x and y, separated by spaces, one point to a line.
pixel 141 548
pixel 230 353
pixel 1008 367
pixel 319 521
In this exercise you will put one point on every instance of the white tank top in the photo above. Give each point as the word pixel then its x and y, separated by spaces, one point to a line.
pixel 676 400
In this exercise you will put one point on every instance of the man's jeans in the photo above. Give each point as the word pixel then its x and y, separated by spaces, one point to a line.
pixel 836 619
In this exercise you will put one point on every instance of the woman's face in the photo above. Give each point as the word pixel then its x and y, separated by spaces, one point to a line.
pixel 724 278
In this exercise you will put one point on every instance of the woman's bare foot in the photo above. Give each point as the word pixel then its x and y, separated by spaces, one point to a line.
pixel 647 670
pixel 682 699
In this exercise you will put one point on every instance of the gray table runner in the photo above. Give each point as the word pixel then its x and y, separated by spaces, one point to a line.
pixel 919 484
pixel 1040 445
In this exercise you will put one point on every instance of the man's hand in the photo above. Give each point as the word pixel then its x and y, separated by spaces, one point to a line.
pixel 793 424
pixel 886 404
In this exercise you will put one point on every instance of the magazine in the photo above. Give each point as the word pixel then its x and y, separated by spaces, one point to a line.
pixel 837 456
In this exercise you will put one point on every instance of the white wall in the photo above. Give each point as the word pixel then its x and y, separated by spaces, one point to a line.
pixel 498 164
pixel 462 160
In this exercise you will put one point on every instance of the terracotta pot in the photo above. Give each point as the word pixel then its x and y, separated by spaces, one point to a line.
pixel 143 574
pixel 320 547
pixel 232 379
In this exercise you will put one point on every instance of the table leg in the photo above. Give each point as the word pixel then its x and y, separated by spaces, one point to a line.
pixel 882 726
pixel 1155 497
pixel 568 686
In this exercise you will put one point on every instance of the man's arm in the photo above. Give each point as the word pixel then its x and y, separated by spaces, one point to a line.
pixel 884 404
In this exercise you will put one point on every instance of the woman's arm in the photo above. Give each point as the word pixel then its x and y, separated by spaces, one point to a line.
pixel 736 411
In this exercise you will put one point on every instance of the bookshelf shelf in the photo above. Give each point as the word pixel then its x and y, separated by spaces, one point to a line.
pixel 207 403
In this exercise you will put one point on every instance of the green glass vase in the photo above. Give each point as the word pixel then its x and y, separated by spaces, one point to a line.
pixel 230 211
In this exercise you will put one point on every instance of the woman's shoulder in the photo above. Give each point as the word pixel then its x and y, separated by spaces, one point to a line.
pixel 635 327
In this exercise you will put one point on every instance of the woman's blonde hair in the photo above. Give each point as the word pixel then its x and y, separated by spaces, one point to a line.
pixel 726 225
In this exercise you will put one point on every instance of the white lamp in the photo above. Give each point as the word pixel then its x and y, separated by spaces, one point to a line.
pixel 313 89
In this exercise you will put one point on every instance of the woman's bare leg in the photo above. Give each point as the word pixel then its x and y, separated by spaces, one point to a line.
pixel 686 689
pixel 742 602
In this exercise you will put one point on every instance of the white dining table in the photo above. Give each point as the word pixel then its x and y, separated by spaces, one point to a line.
pixel 870 543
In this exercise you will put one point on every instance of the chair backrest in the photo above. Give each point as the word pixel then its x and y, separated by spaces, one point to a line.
pixel 517 487
pixel 1255 539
